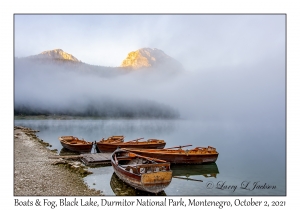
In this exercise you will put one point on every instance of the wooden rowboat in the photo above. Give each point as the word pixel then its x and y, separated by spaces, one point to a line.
pixel 111 144
pixel 74 144
pixel 143 173
pixel 198 155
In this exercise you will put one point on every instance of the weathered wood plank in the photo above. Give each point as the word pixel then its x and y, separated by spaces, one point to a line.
pixel 88 159
pixel 96 158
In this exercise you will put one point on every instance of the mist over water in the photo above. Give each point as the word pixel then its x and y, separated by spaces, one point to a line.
pixel 253 93
pixel 56 90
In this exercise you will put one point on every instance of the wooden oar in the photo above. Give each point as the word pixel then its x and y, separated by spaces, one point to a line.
pixel 178 177
pixel 149 158
pixel 179 146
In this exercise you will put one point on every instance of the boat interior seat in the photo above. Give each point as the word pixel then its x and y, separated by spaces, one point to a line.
pixel 130 169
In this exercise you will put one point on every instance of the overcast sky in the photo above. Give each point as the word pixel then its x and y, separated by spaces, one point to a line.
pixel 197 41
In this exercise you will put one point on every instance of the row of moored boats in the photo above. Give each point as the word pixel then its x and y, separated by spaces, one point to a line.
pixel 143 164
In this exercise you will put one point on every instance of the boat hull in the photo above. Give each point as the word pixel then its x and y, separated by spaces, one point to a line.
pixel 144 182
pixel 78 148
pixel 180 158
pixel 120 188
pixel 104 147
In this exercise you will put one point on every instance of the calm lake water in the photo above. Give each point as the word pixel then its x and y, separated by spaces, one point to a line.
pixel 252 156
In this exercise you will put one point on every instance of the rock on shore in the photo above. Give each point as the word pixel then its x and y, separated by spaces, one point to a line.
pixel 37 175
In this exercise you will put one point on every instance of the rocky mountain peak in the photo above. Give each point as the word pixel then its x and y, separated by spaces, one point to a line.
pixel 56 54
pixel 146 57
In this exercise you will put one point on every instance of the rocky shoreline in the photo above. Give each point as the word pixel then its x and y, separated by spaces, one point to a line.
pixel 36 174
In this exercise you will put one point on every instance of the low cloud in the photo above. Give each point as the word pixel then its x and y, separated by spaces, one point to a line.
pixel 252 93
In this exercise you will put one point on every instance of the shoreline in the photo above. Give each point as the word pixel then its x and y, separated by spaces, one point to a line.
pixel 35 174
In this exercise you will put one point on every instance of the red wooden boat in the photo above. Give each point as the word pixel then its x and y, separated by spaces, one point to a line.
pixel 74 144
pixel 143 173
pixel 177 155
pixel 112 143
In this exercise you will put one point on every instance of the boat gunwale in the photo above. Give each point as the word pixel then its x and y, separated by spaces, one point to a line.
pixel 74 139
pixel 167 152
pixel 131 142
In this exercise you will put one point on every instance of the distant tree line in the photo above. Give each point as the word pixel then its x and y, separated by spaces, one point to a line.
pixel 142 110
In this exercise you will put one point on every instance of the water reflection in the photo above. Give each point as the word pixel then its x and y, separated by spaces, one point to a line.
pixel 96 129
pixel 66 152
pixel 184 172
pixel 206 170
pixel 120 188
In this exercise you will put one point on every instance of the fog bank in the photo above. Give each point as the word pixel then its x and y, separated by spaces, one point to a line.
pixel 253 93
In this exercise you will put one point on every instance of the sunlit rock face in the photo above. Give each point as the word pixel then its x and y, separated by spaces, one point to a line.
pixel 56 54
pixel 148 57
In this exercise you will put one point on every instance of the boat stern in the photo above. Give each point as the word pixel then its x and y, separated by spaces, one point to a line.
pixel 156 182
